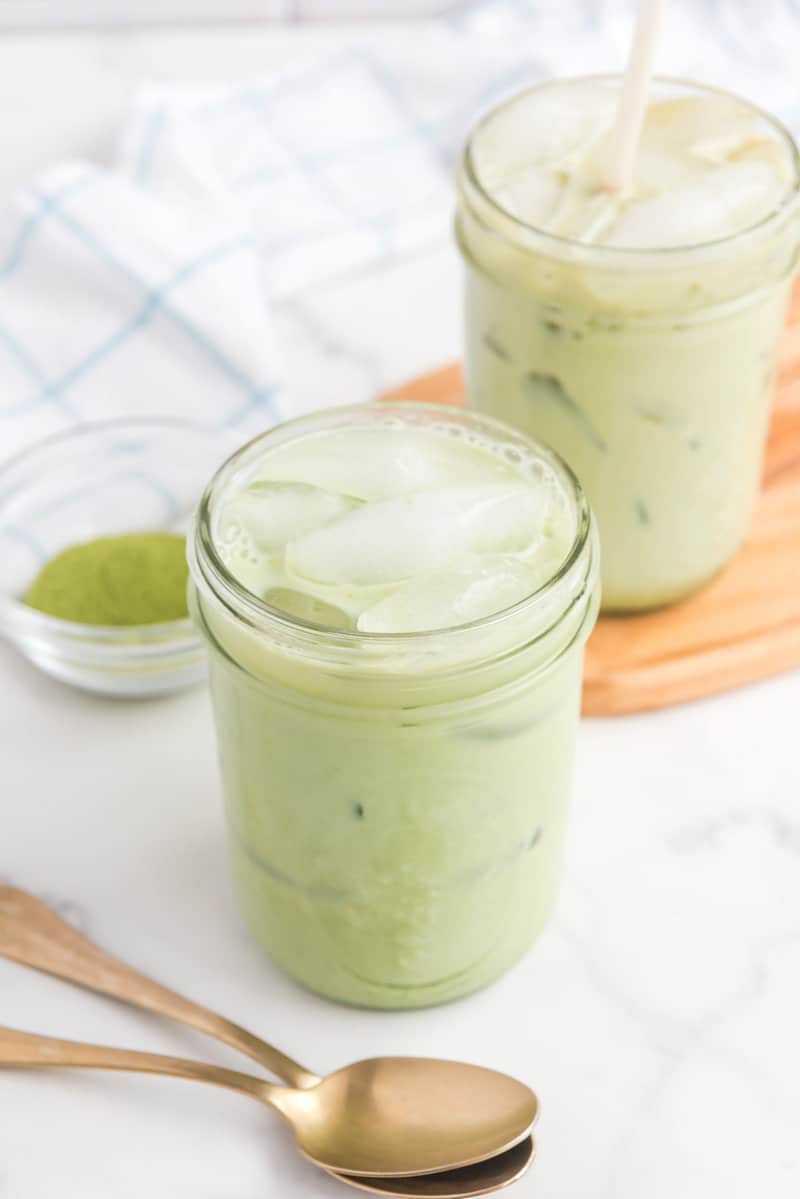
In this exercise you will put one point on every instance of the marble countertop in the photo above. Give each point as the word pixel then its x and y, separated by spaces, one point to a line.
pixel 657 1015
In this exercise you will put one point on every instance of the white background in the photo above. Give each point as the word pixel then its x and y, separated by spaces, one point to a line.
pixel 657 1017
pixel 64 13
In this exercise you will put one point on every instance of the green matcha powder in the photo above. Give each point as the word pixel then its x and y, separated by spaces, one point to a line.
pixel 131 579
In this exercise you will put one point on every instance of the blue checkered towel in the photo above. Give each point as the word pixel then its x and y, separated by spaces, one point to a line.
pixel 145 288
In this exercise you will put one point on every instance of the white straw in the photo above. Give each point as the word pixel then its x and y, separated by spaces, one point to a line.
pixel 624 137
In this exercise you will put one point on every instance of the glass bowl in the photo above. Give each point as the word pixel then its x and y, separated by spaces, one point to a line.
pixel 98 480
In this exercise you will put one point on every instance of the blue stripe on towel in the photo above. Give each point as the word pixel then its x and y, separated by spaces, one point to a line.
pixel 156 121
pixel 155 301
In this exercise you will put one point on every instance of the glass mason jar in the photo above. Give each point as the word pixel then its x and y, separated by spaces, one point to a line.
pixel 396 804
pixel 649 371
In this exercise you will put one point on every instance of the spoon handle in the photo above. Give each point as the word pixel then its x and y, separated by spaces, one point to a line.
pixel 29 1049
pixel 32 934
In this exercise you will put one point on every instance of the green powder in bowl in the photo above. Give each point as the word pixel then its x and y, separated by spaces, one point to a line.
pixel 130 579
pixel 92 585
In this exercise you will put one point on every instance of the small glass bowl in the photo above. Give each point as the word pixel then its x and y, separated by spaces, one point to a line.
pixel 96 481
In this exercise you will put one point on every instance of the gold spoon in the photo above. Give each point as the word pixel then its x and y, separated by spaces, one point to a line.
pixel 378 1118
pixel 34 935
pixel 24 1049
pixel 492 1174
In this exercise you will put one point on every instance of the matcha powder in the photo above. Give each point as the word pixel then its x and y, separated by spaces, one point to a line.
pixel 134 578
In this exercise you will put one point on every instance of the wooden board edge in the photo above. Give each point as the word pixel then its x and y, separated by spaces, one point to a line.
pixel 685 679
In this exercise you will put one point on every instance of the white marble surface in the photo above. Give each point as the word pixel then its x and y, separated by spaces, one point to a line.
pixel 656 1017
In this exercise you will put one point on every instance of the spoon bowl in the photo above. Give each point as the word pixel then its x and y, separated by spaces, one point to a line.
pixel 492 1174
pixel 406 1115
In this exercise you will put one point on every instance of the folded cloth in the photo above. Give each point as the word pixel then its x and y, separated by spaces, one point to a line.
pixel 115 301
pixel 145 288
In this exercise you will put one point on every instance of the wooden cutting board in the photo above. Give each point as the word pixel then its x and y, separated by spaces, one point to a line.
pixel 745 625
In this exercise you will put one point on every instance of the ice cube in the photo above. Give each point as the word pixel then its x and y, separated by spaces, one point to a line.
pixel 371 464
pixel 551 127
pixel 272 513
pixel 532 195
pixel 308 608
pixel 443 600
pixel 707 126
pixel 658 169
pixel 395 539
pixel 694 132
pixel 727 199
pixel 583 212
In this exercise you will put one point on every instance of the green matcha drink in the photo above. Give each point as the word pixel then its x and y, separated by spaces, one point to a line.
pixel 634 332
pixel 396 599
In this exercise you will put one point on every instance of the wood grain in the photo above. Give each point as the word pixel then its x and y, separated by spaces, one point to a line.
pixel 742 627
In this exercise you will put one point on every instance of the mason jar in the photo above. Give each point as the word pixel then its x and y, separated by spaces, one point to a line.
pixel 396 803
pixel 650 371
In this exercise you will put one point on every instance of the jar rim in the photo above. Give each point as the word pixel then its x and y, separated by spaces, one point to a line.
pixel 207 566
pixel 561 246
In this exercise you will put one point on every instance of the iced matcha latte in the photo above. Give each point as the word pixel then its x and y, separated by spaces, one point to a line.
pixel 396 599
pixel 634 332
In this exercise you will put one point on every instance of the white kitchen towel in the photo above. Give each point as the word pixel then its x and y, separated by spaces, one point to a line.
pixel 145 287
